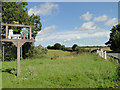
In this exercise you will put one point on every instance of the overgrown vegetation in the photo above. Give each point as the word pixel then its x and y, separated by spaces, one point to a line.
pixel 82 50
pixel 33 52
pixel 80 71
pixel 37 51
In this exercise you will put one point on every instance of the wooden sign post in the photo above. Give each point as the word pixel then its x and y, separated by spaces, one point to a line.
pixel 18 42
pixel 18 59
pixel 3 54
pixel 18 45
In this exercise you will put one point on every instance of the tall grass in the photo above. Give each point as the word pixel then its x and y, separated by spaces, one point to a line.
pixel 82 71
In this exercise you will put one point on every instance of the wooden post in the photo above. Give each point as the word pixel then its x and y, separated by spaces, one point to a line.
pixel 21 52
pixel 3 53
pixel 105 55
pixel 102 54
pixel 18 45
pixel 18 59
pixel 6 31
pixel 30 32
pixel 97 51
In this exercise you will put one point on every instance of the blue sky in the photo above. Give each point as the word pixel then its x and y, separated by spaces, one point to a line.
pixel 83 23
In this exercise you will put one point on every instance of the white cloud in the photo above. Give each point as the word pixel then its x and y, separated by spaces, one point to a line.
pixel 69 36
pixel 86 16
pixel 47 29
pixel 88 26
pixel 72 39
pixel 67 40
pixel 44 9
pixel 40 39
pixel 44 20
pixel 44 33
pixel 54 41
pixel 90 41
pixel 111 22
pixel 101 18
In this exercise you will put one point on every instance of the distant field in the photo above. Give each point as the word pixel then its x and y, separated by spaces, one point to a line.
pixel 67 71
pixel 103 48
pixel 57 53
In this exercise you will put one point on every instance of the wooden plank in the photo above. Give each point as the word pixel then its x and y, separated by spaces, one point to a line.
pixel 17 25
pixel 6 31
pixel 16 40
pixel 15 43
pixel 3 53
pixel 21 52
pixel 30 32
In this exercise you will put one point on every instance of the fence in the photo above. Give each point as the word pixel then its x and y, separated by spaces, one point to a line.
pixel 102 53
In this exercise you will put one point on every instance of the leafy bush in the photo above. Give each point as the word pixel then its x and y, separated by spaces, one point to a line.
pixel 10 51
pixel 63 47
pixel 37 51
pixel 81 50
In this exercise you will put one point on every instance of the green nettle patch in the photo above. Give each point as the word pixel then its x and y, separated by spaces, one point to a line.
pixel 81 71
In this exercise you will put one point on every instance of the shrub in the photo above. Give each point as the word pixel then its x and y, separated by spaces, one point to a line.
pixel 81 50
pixel 37 51
pixel 10 52
pixel 63 47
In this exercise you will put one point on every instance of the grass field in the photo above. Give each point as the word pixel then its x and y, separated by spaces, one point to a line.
pixel 67 71
pixel 103 48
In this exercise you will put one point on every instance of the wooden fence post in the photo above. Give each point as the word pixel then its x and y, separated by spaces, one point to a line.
pixel 105 55
pixel 21 52
pixel 30 32
pixel 3 54
pixel 18 59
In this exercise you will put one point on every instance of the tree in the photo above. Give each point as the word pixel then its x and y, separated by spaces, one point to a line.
pixel 48 47
pixel 62 47
pixel 17 11
pixel 114 41
pixel 57 46
pixel 74 47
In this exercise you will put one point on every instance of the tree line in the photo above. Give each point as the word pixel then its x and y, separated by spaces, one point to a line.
pixel 74 48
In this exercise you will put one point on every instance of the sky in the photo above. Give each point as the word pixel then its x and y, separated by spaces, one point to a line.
pixel 68 23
